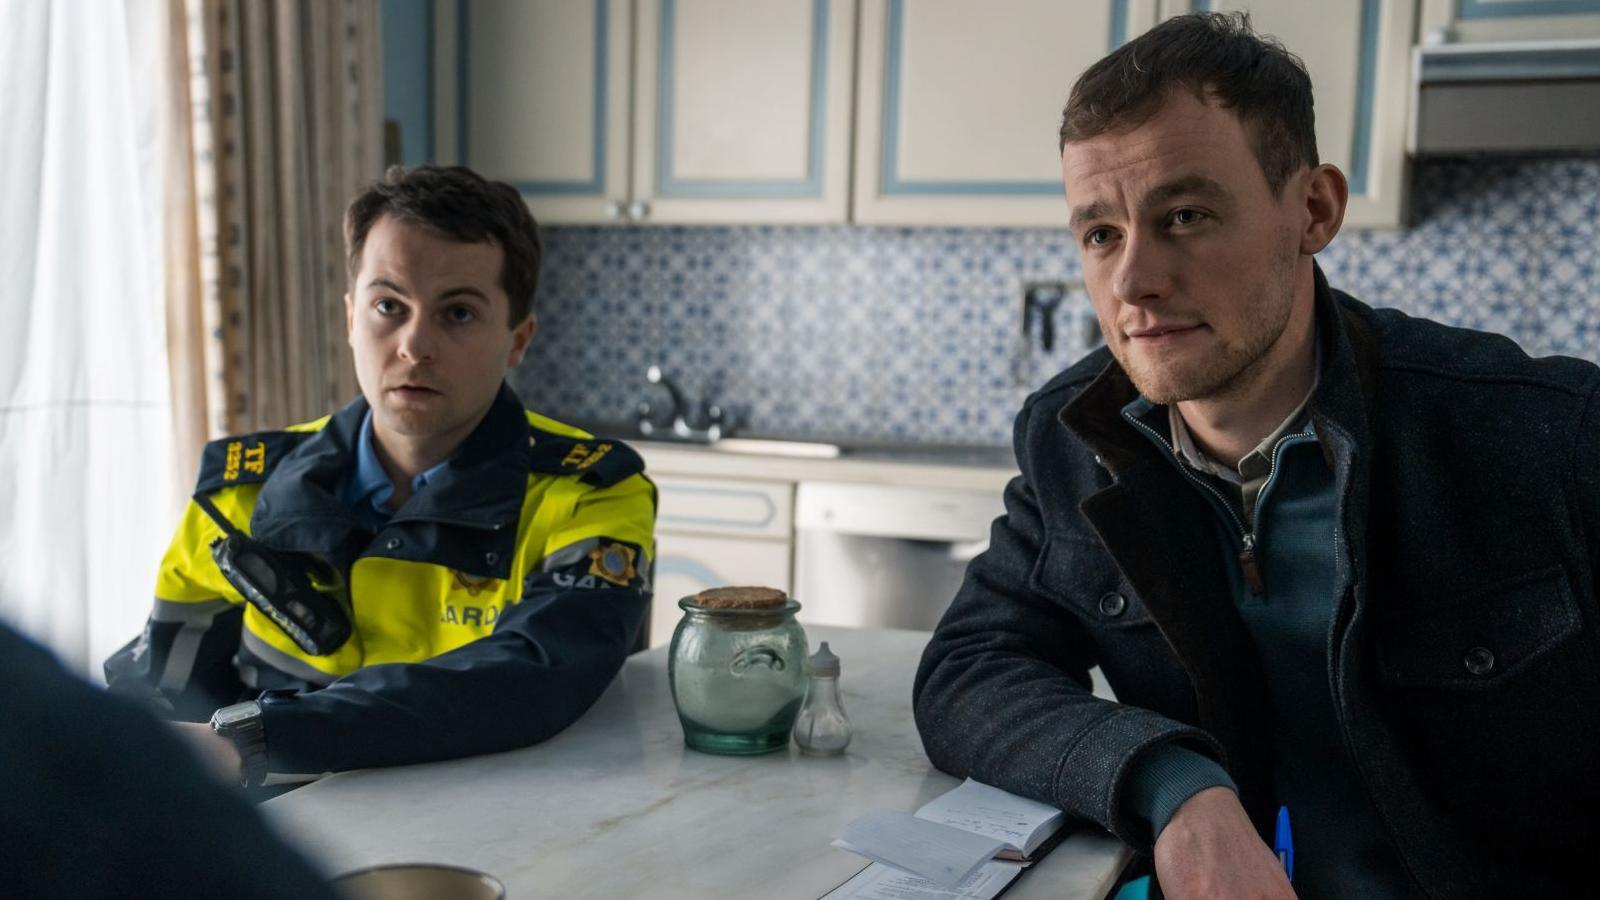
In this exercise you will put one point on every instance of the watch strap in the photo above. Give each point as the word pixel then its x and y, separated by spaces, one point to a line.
pixel 241 723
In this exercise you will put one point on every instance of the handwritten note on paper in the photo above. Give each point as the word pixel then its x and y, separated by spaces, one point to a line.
pixel 1018 822
pixel 939 853
pixel 881 882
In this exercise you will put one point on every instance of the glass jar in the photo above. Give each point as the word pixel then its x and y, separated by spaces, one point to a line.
pixel 738 676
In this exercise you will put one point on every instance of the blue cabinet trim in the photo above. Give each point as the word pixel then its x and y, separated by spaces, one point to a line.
pixel 595 184
pixel 1366 88
pixel 889 181
pixel 675 565
pixel 408 82
pixel 707 521
pixel 1502 9
pixel 668 185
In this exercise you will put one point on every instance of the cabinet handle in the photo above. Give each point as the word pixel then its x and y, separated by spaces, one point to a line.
pixel 638 209
pixel 614 209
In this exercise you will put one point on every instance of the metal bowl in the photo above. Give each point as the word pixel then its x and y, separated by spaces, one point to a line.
pixel 419 881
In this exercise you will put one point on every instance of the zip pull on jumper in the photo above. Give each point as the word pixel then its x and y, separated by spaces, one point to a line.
pixel 1248 566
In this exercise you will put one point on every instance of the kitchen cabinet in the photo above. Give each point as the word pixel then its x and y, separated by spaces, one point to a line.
pixel 674 111
pixel 742 110
pixel 958 105
pixel 539 94
pixel 1358 55
pixel 734 518
pixel 713 532
pixel 662 111
pixel 1489 21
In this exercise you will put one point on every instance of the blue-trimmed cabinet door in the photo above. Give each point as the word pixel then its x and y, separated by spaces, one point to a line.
pixel 1358 55
pixel 742 110
pixel 690 563
pixel 959 105
pixel 713 532
pixel 1481 21
pixel 537 93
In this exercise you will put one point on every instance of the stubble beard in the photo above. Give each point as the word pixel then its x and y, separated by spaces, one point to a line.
pixel 1225 368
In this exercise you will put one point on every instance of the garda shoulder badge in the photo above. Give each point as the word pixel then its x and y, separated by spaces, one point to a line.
pixel 596 461
pixel 613 562
pixel 247 459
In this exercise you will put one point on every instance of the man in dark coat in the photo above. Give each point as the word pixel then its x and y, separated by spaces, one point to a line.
pixel 102 800
pixel 1332 560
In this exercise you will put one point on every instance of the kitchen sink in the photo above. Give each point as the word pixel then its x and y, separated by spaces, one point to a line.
pixel 769 447
pixel 929 454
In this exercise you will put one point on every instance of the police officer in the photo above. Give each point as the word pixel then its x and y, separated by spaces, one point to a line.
pixel 430 572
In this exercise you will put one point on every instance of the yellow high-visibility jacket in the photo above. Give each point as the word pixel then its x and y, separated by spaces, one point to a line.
pixel 488 613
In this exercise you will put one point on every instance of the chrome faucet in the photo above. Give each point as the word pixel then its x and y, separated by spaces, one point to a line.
pixel 701 422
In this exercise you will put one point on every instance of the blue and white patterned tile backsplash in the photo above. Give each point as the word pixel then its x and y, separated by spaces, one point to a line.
pixel 913 334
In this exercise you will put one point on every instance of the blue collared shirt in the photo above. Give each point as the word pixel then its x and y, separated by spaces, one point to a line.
pixel 366 487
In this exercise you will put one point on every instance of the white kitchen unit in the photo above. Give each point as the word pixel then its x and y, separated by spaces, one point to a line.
pixel 1494 21
pixel 539 94
pixel 882 541
pixel 885 556
pixel 717 532
pixel 959 105
pixel 742 110
pixel 1358 54
pixel 664 111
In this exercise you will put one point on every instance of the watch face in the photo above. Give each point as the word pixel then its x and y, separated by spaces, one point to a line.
pixel 235 714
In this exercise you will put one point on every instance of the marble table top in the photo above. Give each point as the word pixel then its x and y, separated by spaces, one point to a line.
pixel 616 806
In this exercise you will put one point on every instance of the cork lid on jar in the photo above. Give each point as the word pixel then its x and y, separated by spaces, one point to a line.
pixel 741 598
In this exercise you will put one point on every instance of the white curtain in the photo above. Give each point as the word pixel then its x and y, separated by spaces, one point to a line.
pixel 87 483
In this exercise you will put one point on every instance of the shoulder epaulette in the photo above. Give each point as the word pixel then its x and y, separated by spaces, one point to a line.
pixel 248 459
pixel 597 461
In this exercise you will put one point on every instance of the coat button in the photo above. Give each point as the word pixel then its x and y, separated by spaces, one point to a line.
pixel 1480 661
pixel 491 558
pixel 1112 605
pixel 392 543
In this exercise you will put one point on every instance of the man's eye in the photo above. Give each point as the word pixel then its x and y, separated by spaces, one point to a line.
pixel 1187 216
pixel 386 307
pixel 1097 236
pixel 461 314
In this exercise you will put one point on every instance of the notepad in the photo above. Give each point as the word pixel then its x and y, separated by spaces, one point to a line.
pixel 1019 823
pixel 881 882
pixel 953 836
pixel 939 853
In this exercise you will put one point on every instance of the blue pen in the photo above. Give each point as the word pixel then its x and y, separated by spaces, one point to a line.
pixel 1283 843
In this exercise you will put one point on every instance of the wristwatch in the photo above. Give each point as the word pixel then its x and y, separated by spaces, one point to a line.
pixel 241 724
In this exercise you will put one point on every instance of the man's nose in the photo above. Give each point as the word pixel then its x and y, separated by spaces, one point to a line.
pixel 1143 274
pixel 418 340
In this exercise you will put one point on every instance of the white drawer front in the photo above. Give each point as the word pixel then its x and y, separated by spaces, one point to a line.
pixel 688 564
pixel 929 514
pixel 719 506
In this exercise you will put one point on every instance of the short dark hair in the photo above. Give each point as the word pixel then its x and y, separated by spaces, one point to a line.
pixel 1220 58
pixel 460 204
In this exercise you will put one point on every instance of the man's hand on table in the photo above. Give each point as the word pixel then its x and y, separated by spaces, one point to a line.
pixel 216 752
pixel 1210 849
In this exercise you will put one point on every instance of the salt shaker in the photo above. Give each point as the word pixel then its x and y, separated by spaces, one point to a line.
pixel 821 728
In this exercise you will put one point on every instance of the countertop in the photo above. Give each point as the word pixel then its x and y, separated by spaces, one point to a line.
pixel 616 806
pixel 986 469
pixel 962 466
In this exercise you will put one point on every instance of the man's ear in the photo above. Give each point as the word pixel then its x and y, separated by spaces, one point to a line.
pixel 1325 196
pixel 521 337
pixel 349 318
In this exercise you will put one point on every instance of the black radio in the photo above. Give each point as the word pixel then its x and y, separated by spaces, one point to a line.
pixel 301 594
